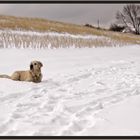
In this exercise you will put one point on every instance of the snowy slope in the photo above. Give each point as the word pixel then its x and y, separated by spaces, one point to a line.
pixel 77 85
pixel 118 119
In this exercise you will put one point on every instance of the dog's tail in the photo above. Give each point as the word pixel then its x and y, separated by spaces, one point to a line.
pixel 5 76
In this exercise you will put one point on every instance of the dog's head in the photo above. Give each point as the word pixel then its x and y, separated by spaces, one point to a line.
pixel 36 65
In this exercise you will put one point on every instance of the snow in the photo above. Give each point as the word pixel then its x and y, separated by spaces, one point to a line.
pixel 34 39
pixel 119 119
pixel 85 91
pixel 34 33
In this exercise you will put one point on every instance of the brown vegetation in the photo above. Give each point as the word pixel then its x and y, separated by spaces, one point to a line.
pixel 43 25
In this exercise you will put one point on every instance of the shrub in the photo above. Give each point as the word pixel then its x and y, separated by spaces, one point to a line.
pixel 117 28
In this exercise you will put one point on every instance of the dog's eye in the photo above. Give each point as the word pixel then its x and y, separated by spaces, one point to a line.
pixel 34 63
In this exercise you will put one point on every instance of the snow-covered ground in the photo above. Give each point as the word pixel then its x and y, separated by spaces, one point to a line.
pixel 118 119
pixel 84 91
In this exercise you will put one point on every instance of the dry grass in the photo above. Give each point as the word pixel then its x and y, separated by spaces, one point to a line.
pixel 43 25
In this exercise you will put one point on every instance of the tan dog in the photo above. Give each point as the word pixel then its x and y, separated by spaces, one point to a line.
pixel 32 75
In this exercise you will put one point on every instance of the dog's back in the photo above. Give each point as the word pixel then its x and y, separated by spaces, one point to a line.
pixel 22 76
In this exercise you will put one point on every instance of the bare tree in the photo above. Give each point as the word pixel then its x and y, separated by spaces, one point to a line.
pixel 130 17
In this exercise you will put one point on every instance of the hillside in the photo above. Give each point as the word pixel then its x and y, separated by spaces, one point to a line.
pixel 43 25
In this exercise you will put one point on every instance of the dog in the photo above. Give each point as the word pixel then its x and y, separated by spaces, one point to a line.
pixel 32 75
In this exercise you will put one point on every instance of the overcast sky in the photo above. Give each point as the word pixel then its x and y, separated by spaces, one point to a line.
pixel 73 13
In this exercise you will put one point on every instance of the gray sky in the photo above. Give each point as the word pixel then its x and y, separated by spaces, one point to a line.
pixel 73 13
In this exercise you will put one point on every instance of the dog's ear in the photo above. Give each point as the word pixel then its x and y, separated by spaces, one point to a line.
pixel 31 66
pixel 41 64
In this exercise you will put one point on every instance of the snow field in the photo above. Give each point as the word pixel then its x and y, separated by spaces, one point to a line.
pixel 77 85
